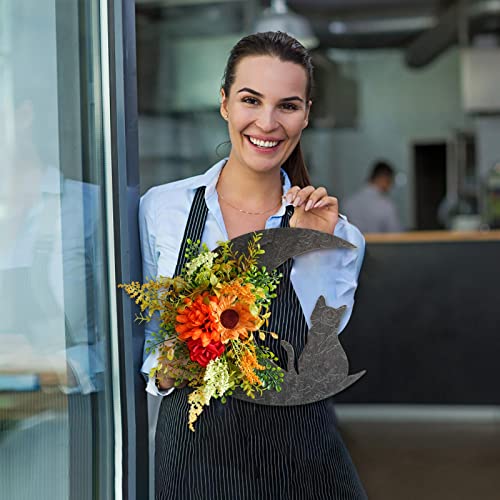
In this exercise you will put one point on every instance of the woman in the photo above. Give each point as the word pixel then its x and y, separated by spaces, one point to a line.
pixel 243 450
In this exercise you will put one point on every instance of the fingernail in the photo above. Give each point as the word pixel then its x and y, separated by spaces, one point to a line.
pixel 318 204
pixel 309 205
pixel 296 202
pixel 288 198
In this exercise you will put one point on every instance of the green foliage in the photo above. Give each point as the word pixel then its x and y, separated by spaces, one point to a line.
pixel 265 281
pixel 272 376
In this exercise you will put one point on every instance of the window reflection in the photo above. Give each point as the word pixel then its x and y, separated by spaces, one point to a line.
pixel 52 278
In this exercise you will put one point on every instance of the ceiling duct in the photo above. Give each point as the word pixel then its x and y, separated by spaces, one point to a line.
pixel 478 17
pixel 367 24
pixel 372 32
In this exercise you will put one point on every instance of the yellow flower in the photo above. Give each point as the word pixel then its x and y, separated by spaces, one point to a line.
pixel 243 292
pixel 248 364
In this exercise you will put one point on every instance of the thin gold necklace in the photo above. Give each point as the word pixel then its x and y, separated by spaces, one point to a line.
pixel 244 211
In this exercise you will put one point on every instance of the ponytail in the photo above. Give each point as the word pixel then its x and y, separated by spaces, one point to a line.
pixel 296 169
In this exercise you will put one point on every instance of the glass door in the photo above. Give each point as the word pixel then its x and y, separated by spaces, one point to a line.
pixel 56 398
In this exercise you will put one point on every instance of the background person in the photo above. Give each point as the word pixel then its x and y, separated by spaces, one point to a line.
pixel 371 209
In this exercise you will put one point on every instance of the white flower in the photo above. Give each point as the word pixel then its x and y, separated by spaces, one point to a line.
pixel 202 262
pixel 216 378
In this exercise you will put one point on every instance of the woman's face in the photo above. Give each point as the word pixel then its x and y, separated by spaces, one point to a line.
pixel 266 111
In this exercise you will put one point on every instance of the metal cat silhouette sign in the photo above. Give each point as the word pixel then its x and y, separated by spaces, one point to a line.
pixel 323 367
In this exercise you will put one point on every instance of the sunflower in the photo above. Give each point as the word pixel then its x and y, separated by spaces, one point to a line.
pixel 197 320
pixel 235 318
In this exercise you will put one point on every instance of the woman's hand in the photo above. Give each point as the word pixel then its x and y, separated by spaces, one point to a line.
pixel 164 382
pixel 314 209
pixel 166 379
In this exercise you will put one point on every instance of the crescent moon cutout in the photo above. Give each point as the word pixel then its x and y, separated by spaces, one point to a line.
pixel 284 243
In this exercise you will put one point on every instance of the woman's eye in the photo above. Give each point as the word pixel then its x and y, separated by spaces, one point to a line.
pixel 288 106
pixel 250 100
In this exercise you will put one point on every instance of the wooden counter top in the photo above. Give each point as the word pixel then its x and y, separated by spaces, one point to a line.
pixel 433 236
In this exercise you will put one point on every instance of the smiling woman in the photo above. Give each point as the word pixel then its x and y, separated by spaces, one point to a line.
pixel 243 450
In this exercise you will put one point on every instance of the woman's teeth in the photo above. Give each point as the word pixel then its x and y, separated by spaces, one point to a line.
pixel 263 144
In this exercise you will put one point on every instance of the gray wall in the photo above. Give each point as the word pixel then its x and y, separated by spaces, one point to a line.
pixel 487 142
pixel 397 106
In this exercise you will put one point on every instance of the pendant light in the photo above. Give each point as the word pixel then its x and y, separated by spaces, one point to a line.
pixel 278 17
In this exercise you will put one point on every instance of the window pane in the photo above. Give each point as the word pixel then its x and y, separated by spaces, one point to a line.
pixel 55 398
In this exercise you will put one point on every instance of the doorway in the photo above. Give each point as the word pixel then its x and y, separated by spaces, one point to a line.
pixel 429 160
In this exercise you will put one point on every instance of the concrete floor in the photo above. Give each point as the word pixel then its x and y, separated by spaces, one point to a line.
pixel 450 455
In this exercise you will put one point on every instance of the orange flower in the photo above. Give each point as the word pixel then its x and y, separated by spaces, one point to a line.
pixel 196 320
pixel 235 318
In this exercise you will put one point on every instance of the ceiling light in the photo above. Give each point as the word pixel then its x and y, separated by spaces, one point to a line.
pixel 279 18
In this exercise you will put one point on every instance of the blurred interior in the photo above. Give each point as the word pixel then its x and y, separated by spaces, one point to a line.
pixel 414 83
pixel 417 84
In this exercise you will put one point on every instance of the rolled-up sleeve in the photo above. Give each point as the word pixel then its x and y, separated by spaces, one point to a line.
pixel 149 257
pixel 147 219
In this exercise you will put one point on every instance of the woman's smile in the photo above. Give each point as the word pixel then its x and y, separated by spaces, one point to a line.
pixel 263 145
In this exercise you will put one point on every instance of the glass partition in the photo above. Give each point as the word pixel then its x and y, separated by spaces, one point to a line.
pixel 56 429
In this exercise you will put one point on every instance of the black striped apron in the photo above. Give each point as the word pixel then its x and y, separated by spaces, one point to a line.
pixel 245 451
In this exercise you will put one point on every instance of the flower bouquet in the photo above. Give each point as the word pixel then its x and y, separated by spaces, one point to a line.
pixel 210 318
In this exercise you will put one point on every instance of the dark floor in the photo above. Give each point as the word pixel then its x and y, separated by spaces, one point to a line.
pixel 425 458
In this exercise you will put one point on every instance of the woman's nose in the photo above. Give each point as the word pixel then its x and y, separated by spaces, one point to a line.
pixel 266 120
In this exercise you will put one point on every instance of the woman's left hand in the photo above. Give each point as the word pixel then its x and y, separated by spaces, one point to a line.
pixel 314 209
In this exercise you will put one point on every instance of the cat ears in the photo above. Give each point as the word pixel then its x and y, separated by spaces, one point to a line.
pixel 329 316
pixel 284 243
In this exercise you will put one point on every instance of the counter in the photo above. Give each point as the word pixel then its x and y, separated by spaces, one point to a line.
pixel 426 323
pixel 433 236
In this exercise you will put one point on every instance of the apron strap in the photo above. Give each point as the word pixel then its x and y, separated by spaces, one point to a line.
pixel 194 226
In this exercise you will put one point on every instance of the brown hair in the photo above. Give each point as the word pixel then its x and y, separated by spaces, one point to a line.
pixel 287 49
pixel 381 169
